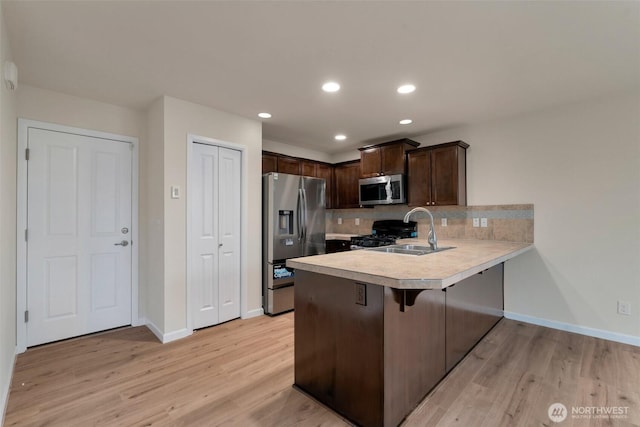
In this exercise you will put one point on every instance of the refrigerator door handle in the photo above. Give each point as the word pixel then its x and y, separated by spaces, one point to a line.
pixel 299 215
pixel 304 214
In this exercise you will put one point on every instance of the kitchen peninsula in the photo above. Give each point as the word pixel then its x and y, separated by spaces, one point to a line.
pixel 375 331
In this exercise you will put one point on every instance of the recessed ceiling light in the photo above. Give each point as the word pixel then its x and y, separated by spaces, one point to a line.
pixel 340 137
pixel 264 115
pixel 331 87
pixel 406 121
pixel 406 88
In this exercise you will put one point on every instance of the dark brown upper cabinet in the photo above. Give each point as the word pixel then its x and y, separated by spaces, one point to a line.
pixel 325 171
pixel 385 159
pixel 289 165
pixel 320 170
pixel 273 162
pixel 346 176
pixel 437 175
pixel 269 163
pixel 308 168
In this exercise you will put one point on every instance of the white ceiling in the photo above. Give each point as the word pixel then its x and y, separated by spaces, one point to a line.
pixel 471 61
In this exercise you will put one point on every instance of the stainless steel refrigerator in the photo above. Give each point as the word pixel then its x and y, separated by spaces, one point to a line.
pixel 293 225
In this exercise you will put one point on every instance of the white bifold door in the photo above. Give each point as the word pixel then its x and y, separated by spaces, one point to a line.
pixel 78 224
pixel 215 198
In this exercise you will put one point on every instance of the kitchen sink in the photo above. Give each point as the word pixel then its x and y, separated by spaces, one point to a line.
pixel 408 249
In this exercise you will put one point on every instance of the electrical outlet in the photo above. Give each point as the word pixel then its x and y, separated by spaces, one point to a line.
pixel 361 294
pixel 339 221
pixel 624 308
pixel 483 222
pixel 443 222
pixel 476 222
pixel 357 221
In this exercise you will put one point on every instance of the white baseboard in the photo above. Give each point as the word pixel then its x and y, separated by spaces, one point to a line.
pixel 253 313
pixel 141 321
pixel 582 330
pixel 4 392
pixel 168 337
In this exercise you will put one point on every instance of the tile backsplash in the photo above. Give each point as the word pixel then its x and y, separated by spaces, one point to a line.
pixel 504 222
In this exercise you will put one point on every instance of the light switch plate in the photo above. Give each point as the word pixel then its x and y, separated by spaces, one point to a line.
pixel 476 222
pixel 175 192
pixel 443 222
pixel 339 221
pixel 483 222
pixel 357 221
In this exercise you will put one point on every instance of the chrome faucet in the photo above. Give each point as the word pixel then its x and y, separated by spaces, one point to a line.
pixel 433 240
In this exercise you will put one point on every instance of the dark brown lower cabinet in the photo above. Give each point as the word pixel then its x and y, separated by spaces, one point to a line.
pixel 358 353
pixel 372 353
pixel 474 306
pixel 333 246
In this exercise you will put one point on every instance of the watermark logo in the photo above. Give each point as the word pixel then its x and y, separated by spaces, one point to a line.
pixel 557 412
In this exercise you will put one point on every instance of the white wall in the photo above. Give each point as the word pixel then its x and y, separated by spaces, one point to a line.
pixel 8 129
pixel 162 164
pixel 290 150
pixel 580 167
pixel 152 174
pixel 345 156
pixel 55 107
pixel 180 119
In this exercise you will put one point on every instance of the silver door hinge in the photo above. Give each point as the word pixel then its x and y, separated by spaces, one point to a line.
pixel 26 154
pixel 26 316
pixel 26 235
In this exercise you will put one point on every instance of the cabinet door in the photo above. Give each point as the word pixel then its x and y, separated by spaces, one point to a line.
pixel 370 162
pixel 444 176
pixel 269 163
pixel 346 185
pixel 325 172
pixel 309 168
pixel 289 165
pixel 419 178
pixel 334 246
pixel 474 306
pixel 392 159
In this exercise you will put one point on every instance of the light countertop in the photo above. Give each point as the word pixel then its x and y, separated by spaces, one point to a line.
pixel 432 271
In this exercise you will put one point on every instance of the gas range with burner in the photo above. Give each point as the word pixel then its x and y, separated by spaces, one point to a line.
pixel 385 232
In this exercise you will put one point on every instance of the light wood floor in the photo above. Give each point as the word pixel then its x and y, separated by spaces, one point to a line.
pixel 240 374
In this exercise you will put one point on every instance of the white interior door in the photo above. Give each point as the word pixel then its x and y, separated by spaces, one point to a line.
pixel 215 190
pixel 229 231
pixel 78 248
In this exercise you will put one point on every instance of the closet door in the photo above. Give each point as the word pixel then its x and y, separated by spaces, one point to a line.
pixel 229 192
pixel 215 190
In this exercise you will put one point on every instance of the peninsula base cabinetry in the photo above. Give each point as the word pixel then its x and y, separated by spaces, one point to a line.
pixel 474 306
pixel 372 352
pixel 357 353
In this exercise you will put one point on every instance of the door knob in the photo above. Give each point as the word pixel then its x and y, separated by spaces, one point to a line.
pixel 123 243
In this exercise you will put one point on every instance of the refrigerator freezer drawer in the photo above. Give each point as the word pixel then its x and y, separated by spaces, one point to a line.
pixel 280 275
pixel 279 300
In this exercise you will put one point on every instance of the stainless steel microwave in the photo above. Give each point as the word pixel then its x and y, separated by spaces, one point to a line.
pixel 382 190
